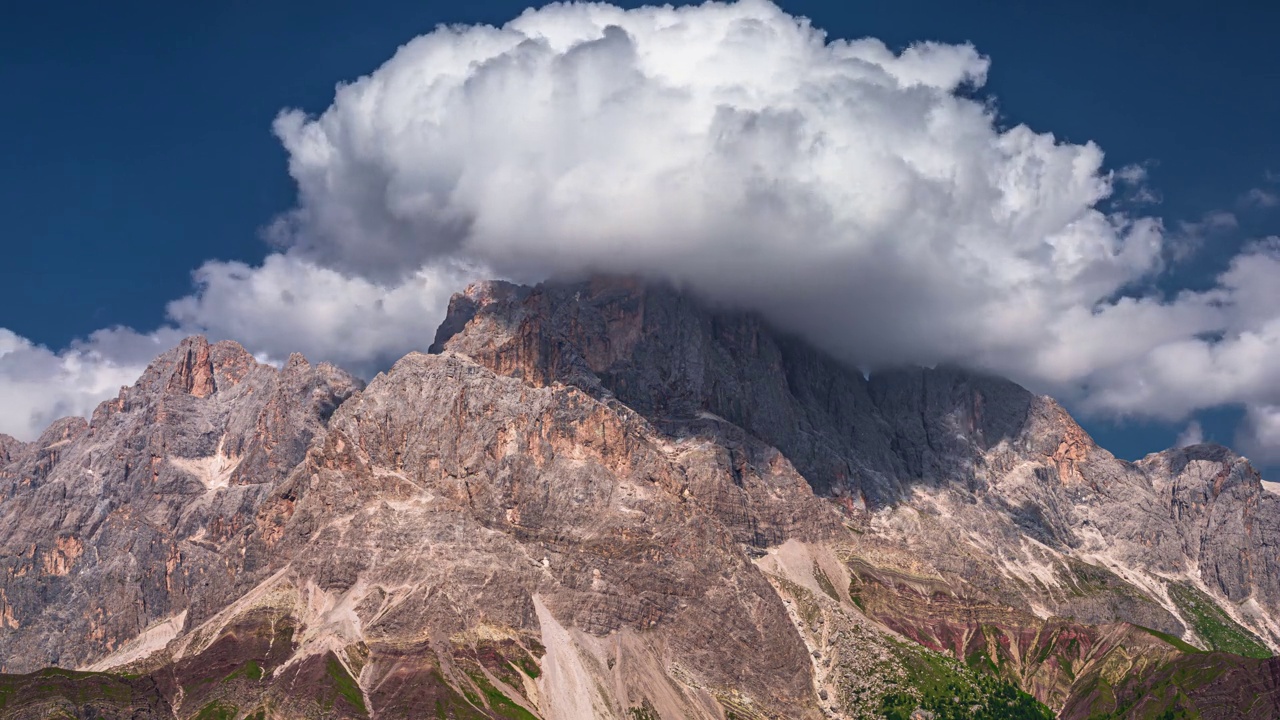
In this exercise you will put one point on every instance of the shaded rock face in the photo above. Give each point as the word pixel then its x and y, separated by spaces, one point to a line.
pixel 472 498
pixel 144 512
pixel 1231 525
pixel 998 491
pixel 995 459
pixel 667 356
pixel 10 449
pixel 606 499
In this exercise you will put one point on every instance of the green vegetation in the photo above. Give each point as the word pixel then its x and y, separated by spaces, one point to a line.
pixel 217 711
pixel 948 689
pixel 1213 625
pixel 453 705
pixel 1183 686
pixel 1160 694
pixel 855 590
pixel 251 670
pixel 1177 642
pixel 72 686
pixel 345 685
pixel 530 666
pixel 499 703
pixel 825 583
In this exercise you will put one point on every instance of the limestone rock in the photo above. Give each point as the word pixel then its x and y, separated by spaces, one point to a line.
pixel 610 499
pixel 109 526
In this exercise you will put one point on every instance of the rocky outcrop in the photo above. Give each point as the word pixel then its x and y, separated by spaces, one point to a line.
pixel 143 513
pixel 10 449
pixel 608 499
pixel 1230 524
pixel 995 460
pixel 544 513
pixel 666 355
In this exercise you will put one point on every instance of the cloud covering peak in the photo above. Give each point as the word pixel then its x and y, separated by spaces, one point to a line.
pixel 729 148
pixel 867 199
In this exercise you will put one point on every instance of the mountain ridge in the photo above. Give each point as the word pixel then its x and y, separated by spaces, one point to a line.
pixel 597 499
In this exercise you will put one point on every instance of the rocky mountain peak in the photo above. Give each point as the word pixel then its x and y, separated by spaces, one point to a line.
pixel 60 432
pixel 199 368
pixel 610 499
pixel 10 447
pixel 669 356
pixel 168 476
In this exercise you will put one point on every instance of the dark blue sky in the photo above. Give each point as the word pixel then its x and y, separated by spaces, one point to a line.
pixel 138 143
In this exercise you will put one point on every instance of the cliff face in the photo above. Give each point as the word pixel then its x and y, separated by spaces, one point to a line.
pixel 606 499
pixel 667 357
pixel 997 463
pixel 145 512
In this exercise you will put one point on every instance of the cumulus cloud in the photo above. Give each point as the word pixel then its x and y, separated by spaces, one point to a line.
pixel 38 385
pixel 854 194
pixel 862 197
pixel 1258 197
pixel 1259 437
pixel 865 198
pixel 1193 434
pixel 1199 350
pixel 289 304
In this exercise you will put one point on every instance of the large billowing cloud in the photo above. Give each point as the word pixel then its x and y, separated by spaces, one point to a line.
pixel 868 199
pixel 853 194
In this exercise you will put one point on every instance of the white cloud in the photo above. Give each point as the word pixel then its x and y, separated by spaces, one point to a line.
pixel 1259 437
pixel 1191 236
pixel 284 305
pixel 1199 350
pixel 1132 179
pixel 854 194
pixel 38 386
pixel 289 304
pixel 1261 198
pixel 1192 435
pixel 860 197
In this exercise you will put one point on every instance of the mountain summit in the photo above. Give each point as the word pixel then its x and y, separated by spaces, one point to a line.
pixel 607 499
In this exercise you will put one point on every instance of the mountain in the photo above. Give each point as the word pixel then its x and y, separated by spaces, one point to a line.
pixel 609 499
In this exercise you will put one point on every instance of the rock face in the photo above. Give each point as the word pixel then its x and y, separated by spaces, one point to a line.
pixel 1229 522
pixel 144 512
pixel 606 499
pixel 981 452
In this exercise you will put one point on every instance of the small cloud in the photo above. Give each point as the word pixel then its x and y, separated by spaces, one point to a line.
pixel 1259 198
pixel 1191 236
pixel 1192 435
pixel 1133 179
pixel 39 385
pixel 1132 174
